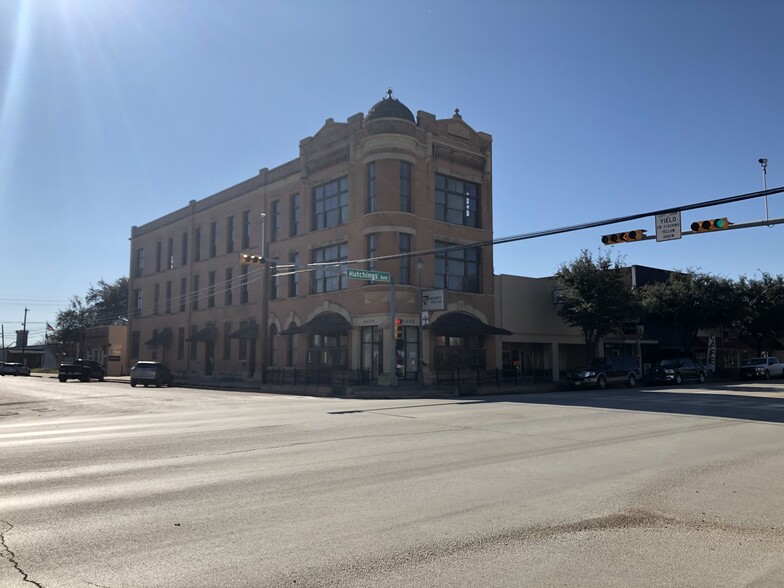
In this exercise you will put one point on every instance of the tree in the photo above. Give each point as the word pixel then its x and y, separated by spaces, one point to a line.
pixel 109 302
pixel 690 301
pixel 106 304
pixel 763 308
pixel 596 296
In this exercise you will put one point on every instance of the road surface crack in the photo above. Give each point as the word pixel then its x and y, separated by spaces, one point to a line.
pixel 6 553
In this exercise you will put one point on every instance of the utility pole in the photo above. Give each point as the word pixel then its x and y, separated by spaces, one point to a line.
pixel 24 337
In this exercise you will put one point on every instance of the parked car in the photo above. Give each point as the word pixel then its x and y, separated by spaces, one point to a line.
pixel 13 369
pixel 81 369
pixel 677 370
pixel 604 371
pixel 761 367
pixel 151 372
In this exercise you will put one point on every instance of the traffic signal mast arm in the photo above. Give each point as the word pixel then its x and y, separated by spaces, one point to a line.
pixel 698 228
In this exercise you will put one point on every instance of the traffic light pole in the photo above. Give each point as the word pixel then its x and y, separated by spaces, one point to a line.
pixel 393 341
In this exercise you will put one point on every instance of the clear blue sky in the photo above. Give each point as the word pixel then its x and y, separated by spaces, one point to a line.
pixel 115 112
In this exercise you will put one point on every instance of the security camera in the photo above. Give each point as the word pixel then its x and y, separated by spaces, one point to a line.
pixel 763 161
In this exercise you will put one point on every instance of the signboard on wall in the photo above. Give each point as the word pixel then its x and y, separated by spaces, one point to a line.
pixel 433 300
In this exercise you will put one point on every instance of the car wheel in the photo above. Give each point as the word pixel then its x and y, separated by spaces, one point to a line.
pixel 133 384
pixel 601 383
pixel 632 381
pixel 678 379
pixel 62 379
pixel 767 375
pixel 101 379
pixel 702 377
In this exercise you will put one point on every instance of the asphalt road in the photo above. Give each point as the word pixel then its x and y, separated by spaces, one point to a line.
pixel 104 485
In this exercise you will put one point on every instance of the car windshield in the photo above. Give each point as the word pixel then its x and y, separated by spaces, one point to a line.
pixel 669 363
pixel 755 361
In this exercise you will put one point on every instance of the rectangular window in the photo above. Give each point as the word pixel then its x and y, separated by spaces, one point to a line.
pixel 137 303
pixel 294 216
pixel 168 299
pixel 275 235
pixel 330 277
pixel 274 280
pixel 184 252
pixel 213 238
pixel 405 261
pixel 405 186
pixel 156 298
pixel 230 233
pixel 197 244
pixel 139 262
pixel 170 251
pixel 195 293
pixel 183 293
pixel 181 343
pixel 330 204
pixel 135 345
pixel 244 284
pixel 246 229
pixel 371 187
pixel 459 269
pixel 457 201
pixel 294 275
pixel 211 290
pixel 194 344
pixel 228 286
pixel 372 251
pixel 158 256
pixel 226 341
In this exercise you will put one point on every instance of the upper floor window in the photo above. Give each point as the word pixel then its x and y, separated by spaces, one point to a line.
pixel 197 244
pixel 458 269
pixel 168 302
pixel 294 275
pixel 330 204
pixel 158 256
pixel 246 229
pixel 405 186
pixel 230 233
pixel 405 261
pixel 137 302
pixel 195 293
pixel 372 250
pixel 275 220
pixel 184 252
pixel 371 187
pixel 329 278
pixel 243 284
pixel 228 286
pixel 211 290
pixel 183 293
pixel 213 238
pixel 294 216
pixel 457 201
pixel 139 262
pixel 156 298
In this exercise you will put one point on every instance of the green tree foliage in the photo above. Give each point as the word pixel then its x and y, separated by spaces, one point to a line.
pixel 762 303
pixel 690 301
pixel 596 296
pixel 104 304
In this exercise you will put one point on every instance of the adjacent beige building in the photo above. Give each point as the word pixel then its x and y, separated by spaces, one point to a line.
pixel 385 191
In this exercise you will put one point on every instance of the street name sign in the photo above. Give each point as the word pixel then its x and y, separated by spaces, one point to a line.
pixel 369 275
pixel 668 226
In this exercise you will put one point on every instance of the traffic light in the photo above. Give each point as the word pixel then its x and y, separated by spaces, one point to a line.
pixel 715 224
pixel 245 258
pixel 398 331
pixel 626 237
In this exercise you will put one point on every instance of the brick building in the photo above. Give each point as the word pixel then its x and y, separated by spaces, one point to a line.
pixel 385 191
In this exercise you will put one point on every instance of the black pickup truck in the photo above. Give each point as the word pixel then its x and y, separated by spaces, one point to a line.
pixel 81 369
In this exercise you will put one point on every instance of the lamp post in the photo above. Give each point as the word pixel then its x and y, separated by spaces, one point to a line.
pixel 763 161
pixel 264 301
pixel 420 375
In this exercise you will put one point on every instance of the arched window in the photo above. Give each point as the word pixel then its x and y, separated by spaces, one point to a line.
pixel 273 343
pixel 291 347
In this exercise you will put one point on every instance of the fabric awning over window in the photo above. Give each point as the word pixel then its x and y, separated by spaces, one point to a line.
pixel 461 323
pixel 163 338
pixel 327 323
pixel 249 331
pixel 208 333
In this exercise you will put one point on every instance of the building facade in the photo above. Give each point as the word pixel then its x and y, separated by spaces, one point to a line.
pixel 383 192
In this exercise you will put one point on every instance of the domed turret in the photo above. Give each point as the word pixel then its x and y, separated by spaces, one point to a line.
pixel 390 108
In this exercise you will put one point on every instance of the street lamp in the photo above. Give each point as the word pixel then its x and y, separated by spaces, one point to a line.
pixel 763 161
pixel 264 301
pixel 420 375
